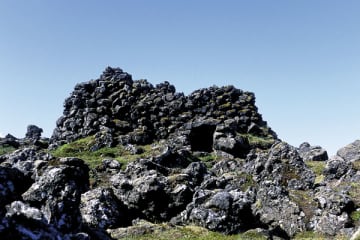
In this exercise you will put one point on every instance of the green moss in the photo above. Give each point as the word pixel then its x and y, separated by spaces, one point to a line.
pixel 318 236
pixel 193 233
pixel 251 234
pixel 225 106
pixel 209 159
pixel 5 149
pixel 81 149
pixel 318 168
pixel 356 165
pixel 310 235
pixel 354 192
pixel 355 216
pixel 259 142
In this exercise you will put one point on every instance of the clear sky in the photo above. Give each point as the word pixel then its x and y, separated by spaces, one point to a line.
pixel 301 58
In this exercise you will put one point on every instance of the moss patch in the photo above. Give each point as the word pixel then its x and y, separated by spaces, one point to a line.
pixel 356 165
pixel 209 159
pixel 193 233
pixel 318 168
pixel 81 149
pixel 355 216
pixel 317 236
pixel 259 142
pixel 354 192
pixel 5 149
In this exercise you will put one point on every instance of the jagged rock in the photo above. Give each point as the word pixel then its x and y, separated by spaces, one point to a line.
pixel 110 165
pixel 117 109
pixel 33 133
pixel 332 216
pixel 26 160
pixel 101 209
pixel 350 152
pixel 281 165
pixel 336 167
pixel 171 159
pixel 12 184
pixel 9 140
pixel 236 146
pixel 276 210
pixel 196 171
pixel 228 212
pixel 312 153
pixel 57 192
pixel 145 195
pixel 25 222
pixel 214 163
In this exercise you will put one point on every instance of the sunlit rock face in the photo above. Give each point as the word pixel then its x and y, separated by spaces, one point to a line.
pixel 151 155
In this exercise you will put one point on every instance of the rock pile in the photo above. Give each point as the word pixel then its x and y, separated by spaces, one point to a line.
pixel 119 110
pixel 253 181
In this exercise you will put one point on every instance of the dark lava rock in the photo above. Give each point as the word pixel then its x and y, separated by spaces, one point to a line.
pixel 57 193
pixel 12 184
pixel 214 163
pixel 117 109
pixel 101 209
pixel 312 153
pixel 333 214
pixel 336 167
pixel 33 133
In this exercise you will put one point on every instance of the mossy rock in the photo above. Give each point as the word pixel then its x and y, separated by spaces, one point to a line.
pixel 318 168
pixel 258 141
pixel 82 149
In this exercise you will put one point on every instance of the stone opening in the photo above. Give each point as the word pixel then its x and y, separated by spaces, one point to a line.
pixel 201 138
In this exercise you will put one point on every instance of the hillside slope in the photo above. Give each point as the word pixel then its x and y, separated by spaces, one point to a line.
pixel 128 160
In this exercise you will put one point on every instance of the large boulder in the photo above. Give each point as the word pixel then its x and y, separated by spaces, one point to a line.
pixel 101 209
pixel 33 133
pixel 333 214
pixel 58 191
pixel 25 222
pixel 350 152
pixel 275 209
pixel 12 184
pixel 312 153
pixel 336 167
pixel 224 211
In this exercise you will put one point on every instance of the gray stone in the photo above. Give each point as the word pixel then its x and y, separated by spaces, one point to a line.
pixel 350 152
pixel 312 153
pixel 101 209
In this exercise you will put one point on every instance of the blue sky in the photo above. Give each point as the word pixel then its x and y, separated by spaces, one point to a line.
pixel 301 58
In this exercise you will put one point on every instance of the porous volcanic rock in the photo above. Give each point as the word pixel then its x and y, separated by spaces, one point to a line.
pixel 207 159
pixel 117 109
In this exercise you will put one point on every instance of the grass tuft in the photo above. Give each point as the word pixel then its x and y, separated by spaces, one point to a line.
pixel 5 149
pixel 193 233
pixel 81 149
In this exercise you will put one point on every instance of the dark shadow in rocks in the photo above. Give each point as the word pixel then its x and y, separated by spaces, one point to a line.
pixel 201 138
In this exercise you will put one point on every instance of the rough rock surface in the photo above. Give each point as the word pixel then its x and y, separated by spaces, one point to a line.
pixel 119 110
pixel 217 165
pixel 312 153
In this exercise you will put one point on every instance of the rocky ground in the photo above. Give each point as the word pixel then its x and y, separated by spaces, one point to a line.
pixel 128 160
